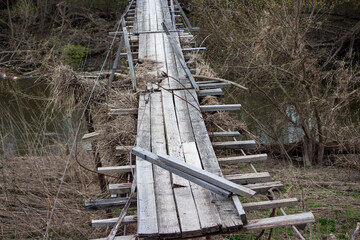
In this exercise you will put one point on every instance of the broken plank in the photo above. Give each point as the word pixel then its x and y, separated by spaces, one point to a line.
pixel 205 176
pixel 116 169
pixel 154 159
pixel 243 159
pixel 249 178
pixel 112 221
pixel 214 85
pixel 121 112
pixel 235 145
pixel 263 205
pixel 264 187
pixel 293 219
pixel 210 92
pixel 214 108
pixel 120 188
pixel 90 136
pixel 224 134
pixel 107 203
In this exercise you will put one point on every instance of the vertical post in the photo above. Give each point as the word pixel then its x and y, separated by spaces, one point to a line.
pixel 129 55
pixel 172 8
pixel 116 61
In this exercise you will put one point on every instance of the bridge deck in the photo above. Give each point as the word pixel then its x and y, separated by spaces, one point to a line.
pixel 170 122
pixel 170 206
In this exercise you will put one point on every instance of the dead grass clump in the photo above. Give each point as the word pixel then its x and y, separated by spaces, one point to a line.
pixel 202 67
pixel 68 85
pixel 146 72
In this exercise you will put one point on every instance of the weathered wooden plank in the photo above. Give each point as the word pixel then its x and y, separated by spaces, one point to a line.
pixel 239 208
pixel 211 92
pixel 122 150
pixel 112 221
pixel 288 202
pixel 129 55
pixel 120 188
pixel 214 85
pixel 90 136
pixel 214 108
pixel 293 219
pixel 129 237
pixel 154 159
pixel 166 208
pixel 206 176
pixel 230 219
pixel 208 214
pixel 107 203
pixel 264 187
pixel 121 112
pixel 243 159
pixel 116 169
pixel 235 145
pixel 224 134
pixel 194 49
pixel 146 203
pixel 248 178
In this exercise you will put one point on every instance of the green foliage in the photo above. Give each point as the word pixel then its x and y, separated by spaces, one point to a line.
pixel 26 11
pixel 73 54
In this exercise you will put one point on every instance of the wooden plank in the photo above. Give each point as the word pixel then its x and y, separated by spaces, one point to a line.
pixel 263 205
pixel 235 145
pixel 214 85
pixel 205 176
pixel 211 92
pixel 90 136
pixel 187 212
pixel 166 208
pixel 194 49
pixel 121 112
pixel 120 188
pixel 243 159
pixel 116 169
pixel 224 134
pixel 214 108
pixel 208 214
pixel 230 219
pixel 146 204
pixel 107 203
pixel 154 159
pixel 122 150
pixel 264 187
pixel 129 55
pixel 129 237
pixel 239 208
pixel 249 178
pixel 293 219
pixel 112 221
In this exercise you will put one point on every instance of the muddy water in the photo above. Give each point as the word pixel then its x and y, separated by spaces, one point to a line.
pixel 28 122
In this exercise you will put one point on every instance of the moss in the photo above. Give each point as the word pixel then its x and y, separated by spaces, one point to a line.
pixel 73 55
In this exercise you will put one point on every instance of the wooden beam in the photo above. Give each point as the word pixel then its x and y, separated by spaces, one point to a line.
pixel 293 219
pixel 120 188
pixel 214 108
pixel 235 145
pixel 248 178
pixel 214 85
pixel 129 237
pixel 243 159
pixel 210 92
pixel 205 176
pixel 264 187
pixel 224 134
pixel 153 158
pixel 121 112
pixel 90 136
pixel 263 205
pixel 116 169
pixel 194 49
pixel 107 203
pixel 122 150
pixel 112 221
pixel 129 55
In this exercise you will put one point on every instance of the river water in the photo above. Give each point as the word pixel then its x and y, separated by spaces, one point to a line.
pixel 29 123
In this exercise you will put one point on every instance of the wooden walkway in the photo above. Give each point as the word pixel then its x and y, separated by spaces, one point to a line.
pixel 170 122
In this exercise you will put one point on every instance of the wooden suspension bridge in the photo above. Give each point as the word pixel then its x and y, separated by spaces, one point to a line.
pixel 181 191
